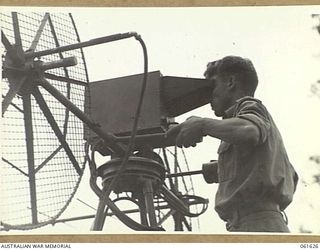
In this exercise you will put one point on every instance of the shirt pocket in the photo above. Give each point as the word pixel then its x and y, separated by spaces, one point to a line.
pixel 226 165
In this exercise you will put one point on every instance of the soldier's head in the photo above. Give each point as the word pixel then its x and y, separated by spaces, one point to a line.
pixel 232 77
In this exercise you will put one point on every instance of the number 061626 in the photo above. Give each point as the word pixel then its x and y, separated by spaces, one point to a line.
pixel 309 246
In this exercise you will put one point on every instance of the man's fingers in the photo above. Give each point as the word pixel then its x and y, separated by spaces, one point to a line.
pixel 173 131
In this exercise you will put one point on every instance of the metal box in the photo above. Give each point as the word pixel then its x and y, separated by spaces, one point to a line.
pixel 114 102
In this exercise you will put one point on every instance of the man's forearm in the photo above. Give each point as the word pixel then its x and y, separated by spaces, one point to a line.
pixel 232 130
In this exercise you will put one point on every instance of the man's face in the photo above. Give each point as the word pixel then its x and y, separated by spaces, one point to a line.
pixel 220 95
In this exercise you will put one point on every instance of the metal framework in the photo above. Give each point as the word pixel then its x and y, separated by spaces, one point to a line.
pixel 39 173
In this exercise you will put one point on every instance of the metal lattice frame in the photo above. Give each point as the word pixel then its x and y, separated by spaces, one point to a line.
pixel 39 174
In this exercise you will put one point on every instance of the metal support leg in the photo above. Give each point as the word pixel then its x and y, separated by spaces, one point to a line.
pixel 99 217
pixel 178 217
pixel 142 210
pixel 148 194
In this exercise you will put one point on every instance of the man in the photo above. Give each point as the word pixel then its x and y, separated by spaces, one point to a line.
pixel 256 179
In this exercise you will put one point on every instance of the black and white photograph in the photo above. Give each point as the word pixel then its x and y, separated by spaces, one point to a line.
pixel 149 120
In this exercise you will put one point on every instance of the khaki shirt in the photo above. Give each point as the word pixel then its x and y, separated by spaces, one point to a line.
pixel 250 174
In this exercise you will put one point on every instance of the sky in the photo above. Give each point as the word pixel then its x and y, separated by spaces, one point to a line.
pixel 281 43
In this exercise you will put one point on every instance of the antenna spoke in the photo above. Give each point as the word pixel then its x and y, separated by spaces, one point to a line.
pixel 16 29
pixel 39 32
pixel 5 41
pixel 14 105
pixel 64 79
pixel 46 111
pixel 30 154
pixel 13 90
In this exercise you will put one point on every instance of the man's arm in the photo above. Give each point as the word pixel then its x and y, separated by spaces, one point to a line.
pixel 232 130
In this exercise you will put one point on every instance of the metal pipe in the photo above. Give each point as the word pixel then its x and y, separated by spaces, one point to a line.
pixel 92 42
pixel 184 173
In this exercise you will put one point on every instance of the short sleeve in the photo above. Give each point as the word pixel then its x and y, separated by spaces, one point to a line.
pixel 253 111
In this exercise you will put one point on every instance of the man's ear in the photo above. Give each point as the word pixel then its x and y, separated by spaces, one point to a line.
pixel 232 83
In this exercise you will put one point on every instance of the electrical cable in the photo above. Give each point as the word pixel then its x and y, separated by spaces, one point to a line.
pixel 135 123
pixel 104 195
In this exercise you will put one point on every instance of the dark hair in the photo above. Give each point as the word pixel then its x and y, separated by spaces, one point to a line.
pixel 239 67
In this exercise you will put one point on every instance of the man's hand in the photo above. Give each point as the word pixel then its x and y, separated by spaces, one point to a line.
pixel 188 133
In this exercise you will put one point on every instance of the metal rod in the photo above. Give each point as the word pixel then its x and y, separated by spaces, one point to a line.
pixel 86 204
pixel 85 217
pixel 157 136
pixel 64 79
pixel 14 166
pixel 165 157
pixel 39 32
pixel 109 139
pixel 48 158
pixel 81 50
pixel 175 169
pixel 185 173
pixel 92 42
pixel 16 29
pixel 30 154
pixel 47 113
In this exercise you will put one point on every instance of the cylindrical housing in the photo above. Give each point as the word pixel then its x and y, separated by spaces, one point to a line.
pixel 64 62
pixel 137 171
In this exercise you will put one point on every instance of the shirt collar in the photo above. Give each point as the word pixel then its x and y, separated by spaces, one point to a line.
pixel 230 112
